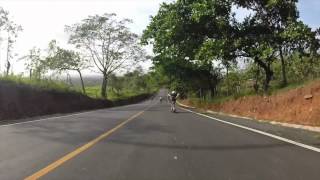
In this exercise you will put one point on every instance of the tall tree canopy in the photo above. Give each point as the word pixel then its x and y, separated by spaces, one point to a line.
pixel 191 37
pixel 178 32
pixel 108 42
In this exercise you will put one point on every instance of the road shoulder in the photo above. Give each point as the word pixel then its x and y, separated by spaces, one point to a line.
pixel 296 134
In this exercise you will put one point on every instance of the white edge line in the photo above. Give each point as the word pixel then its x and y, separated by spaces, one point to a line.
pixel 49 118
pixel 290 125
pixel 259 132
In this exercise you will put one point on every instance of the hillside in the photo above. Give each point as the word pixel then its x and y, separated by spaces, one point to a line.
pixel 300 105
pixel 22 100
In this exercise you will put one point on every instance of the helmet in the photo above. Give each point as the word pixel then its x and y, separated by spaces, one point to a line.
pixel 173 92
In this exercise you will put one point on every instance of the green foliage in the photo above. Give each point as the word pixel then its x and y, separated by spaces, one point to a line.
pixel 178 32
pixel 299 68
pixel 130 84
pixel 61 60
pixel 199 44
pixel 35 64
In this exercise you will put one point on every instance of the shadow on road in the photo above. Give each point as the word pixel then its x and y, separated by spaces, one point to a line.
pixel 203 147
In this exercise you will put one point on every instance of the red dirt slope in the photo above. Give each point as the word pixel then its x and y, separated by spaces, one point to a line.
pixel 298 106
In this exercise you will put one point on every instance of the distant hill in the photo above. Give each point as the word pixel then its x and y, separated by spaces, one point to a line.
pixel 93 80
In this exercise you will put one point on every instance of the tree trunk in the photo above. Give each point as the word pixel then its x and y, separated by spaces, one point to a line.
pixel 30 73
pixel 268 73
pixel 213 86
pixel 256 81
pixel 283 69
pixel 82 83
pixel 312 68
pixel 8 68
pixel 227 81
pixel 104 87
pixel 0 52
pixel 8 58
pixel 213 92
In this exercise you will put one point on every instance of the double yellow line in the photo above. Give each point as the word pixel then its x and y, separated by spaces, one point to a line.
pixel 81 149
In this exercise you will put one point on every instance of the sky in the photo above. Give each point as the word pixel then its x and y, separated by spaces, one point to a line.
pixel 44 20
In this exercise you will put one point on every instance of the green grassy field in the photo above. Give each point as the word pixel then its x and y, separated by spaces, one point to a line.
pixel 45 84
pixel 94 92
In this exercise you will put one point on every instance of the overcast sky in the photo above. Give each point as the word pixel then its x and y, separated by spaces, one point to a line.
pixel 44 20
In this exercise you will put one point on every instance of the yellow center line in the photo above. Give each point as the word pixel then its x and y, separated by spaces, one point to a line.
pixel 81 149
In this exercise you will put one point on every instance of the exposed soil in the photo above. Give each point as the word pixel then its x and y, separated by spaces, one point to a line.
pixel 22 101
pixel 298 106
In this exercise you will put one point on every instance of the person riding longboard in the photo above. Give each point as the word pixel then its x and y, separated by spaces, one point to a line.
pixel 172 97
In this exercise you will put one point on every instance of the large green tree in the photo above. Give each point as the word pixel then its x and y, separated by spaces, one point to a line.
pixel 109 44
pixel 177 33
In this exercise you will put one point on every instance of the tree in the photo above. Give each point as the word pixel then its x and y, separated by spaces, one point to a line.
pixel 116 84
pixel 65 60
pixel 136 80
pixel 179 31
pixel 259 36
pixel 12 33
pixel 303 40
pixel 34 63
pixel 108 42
pixel 3 21
pixel 192 39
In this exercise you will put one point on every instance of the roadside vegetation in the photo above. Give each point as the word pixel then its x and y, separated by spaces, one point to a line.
pixel 120 87
pixel 207 53
pixel 99 68
pixel 99 44
pixel 43 84
pixel 127 85
pixel 202 49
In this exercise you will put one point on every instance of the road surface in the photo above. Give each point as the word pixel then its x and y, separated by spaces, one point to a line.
pixel 146 142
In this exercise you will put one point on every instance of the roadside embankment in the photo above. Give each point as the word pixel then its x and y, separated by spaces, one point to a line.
pixel 296 106
pixel 22 101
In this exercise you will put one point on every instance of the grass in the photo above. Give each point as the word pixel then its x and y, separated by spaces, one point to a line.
pixel 293 85
pixel 95 92
pixel 45 84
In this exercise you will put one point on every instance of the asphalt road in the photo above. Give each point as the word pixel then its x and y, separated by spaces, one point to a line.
pixel 155 145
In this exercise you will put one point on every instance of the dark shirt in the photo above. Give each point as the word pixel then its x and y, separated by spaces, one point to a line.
pixel 173 96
